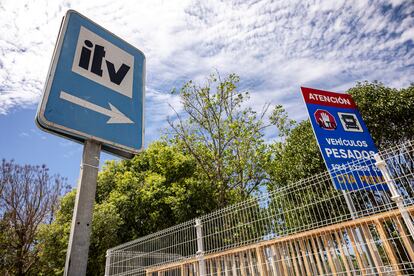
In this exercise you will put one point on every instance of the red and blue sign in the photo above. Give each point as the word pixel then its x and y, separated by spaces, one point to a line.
pixel 344 140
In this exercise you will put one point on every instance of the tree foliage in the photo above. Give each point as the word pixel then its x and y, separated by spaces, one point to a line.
pixel 28 198
pixel 223 137
pixel 296 155
pixel 387 112
pixel 156 189
pixel 52 239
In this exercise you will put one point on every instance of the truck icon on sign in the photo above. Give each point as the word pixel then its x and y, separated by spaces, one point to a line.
pixel 350 122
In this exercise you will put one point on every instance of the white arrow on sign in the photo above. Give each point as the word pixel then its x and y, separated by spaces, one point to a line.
pixel 116 116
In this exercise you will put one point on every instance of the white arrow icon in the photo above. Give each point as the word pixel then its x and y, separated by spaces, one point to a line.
pixel 116 116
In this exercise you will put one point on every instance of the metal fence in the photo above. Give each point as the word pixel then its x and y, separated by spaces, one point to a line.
pixel 303 228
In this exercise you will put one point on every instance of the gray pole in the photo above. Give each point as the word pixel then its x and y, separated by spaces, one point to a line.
pixel 80 232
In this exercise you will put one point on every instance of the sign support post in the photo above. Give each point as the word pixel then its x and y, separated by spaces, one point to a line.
pixel 80 232
pixel 350 204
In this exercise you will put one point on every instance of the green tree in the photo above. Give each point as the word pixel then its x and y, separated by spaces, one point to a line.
pixel 387 112
pixel 296 156
pixel 156 189
pixel 224 138
pixel 161 185
pixel 53 238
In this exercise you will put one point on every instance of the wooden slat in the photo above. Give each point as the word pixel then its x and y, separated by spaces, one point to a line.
pixel 286 256
pixel 261 262
pixel 356 250
pixel 299 258
pixel 328 254
pixel 210 263
pixel 372 249
pixel 335 257
pixel 267 260
pixel 276 260
pixel 284 259
pixel 196 268
pixel 305 258
pixel 361 244
pixel 234 265
pixel 218 262
pixel 250 262
pixel 322 250
pixel 226 266
pixel 388 247
pixel 310 257
pixel 316 253
pixel 294 259
pixel 242 264
pixel 351 263
pixel 343 255
pixel 406 240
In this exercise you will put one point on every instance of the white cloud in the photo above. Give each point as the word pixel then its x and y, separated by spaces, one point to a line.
pixel 275 46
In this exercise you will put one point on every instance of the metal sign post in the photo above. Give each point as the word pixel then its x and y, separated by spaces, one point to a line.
pixel 80 232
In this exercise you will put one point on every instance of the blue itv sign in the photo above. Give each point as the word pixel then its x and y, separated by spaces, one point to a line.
pixel 344 140
pixel 95 88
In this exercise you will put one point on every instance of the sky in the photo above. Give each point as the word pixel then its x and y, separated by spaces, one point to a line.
pixel 274 46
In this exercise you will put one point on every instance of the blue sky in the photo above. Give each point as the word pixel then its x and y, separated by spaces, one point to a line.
pixel 275 46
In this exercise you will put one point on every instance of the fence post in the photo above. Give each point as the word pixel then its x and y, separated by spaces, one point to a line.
pixel 108 263
pixel 200 247
pixel 395 195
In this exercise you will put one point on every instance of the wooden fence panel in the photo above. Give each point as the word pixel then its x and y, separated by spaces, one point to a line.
pixel 370 245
